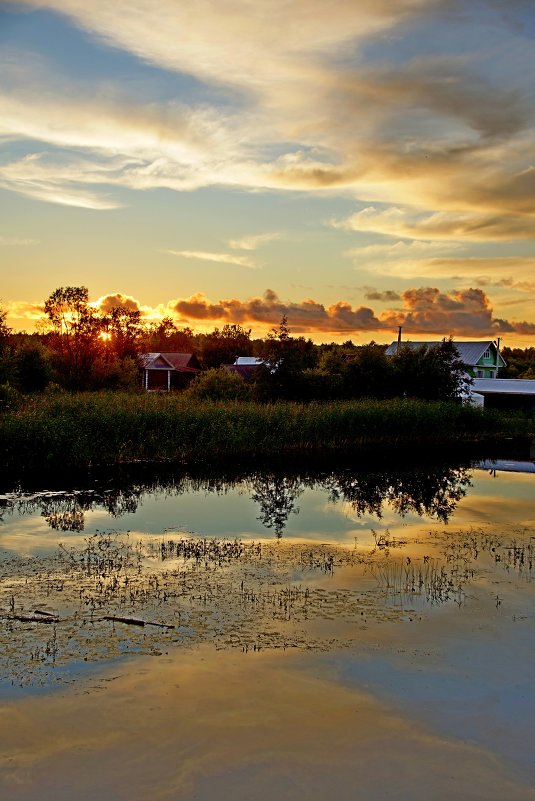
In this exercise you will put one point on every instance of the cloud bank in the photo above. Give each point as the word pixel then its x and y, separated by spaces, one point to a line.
pixel 423 311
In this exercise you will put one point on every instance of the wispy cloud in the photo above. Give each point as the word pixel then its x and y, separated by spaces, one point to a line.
pixel 254 241
pixel 220 258
pixel 440 226
pixel 16 241
pixel 430 133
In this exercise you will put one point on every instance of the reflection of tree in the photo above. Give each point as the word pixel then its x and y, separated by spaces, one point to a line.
pixel 434 491
pixel 66 521
pixel 64 513
pixel 122 502
pixel 276 495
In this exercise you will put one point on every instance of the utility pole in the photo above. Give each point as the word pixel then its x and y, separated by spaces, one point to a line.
pixel 399 338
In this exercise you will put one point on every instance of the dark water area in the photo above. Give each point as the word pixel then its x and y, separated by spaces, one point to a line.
pixel 151 497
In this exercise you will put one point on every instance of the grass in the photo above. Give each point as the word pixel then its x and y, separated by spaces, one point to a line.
pixel 83 430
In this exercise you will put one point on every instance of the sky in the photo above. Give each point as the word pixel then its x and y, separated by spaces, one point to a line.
pixel 353 164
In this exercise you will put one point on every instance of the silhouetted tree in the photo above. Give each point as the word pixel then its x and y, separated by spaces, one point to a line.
pixel 223 346
pixel 431 372
pixel 164 336
pixel 122 330
pixel 75 327
pixel 285 359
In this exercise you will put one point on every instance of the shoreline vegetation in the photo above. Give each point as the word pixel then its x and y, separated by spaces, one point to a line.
pixel 87 430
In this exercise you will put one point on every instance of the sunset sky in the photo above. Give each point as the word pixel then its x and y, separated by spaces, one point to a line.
pixel 356 164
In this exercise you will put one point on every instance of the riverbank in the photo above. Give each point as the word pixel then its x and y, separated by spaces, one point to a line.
pixel 79 431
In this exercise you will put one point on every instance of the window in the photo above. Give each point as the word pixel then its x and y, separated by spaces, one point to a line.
pixel 486 355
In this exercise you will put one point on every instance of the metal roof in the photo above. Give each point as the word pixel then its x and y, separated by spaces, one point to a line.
pixel 504 386
pixel 250 361
pixel 469 352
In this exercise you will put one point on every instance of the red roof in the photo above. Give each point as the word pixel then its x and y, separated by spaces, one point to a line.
pixel 169 361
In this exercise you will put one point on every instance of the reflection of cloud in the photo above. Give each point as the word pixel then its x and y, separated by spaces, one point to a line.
pixel 220 258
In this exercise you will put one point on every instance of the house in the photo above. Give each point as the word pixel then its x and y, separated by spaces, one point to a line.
pixel 481 359
pixel 245 367
pixel 504 393
pixel 166 371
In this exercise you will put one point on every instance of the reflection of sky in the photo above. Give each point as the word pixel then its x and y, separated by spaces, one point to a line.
pixel 504 499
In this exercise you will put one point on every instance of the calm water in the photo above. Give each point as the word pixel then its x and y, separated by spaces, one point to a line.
pixel 333 506
pixel 363 630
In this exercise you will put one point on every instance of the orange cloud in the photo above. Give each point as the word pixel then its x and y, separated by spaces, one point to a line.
pixel 108 302
pixel 424 310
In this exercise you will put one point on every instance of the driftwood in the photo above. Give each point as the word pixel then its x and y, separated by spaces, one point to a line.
pixel 133 621
pixel 48 618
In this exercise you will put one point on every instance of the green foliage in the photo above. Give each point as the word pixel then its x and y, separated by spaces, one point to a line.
pixel 368 373
pixel 108 371
pixel 430 372
pixel 219 385
pixel 67 431
pixel 319 385
pixel 10 398
pixel 285 359
pixel 33 366
pixel 520 363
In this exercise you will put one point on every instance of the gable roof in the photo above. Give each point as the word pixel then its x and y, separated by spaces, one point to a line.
pixel 469 352
pixel 168 361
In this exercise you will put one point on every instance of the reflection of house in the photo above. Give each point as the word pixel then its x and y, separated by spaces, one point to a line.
pixel 506 465
pixel 166 371
pixel 482 359
pixel 244 366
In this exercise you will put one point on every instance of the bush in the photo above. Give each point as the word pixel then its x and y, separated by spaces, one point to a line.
pixel 10 398
pixel 218 385
pixel 34 369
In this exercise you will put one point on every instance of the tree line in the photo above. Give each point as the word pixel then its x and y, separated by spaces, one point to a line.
pixel 78 347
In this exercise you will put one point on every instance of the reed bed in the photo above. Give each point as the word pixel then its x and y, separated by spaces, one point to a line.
pixel 83 430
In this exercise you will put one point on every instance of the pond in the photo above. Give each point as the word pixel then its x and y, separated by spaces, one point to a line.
pixel 362 628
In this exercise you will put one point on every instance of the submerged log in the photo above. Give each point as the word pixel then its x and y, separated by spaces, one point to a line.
pixel 133 621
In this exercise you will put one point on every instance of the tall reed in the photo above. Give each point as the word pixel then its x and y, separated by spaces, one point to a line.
pixel 81 430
